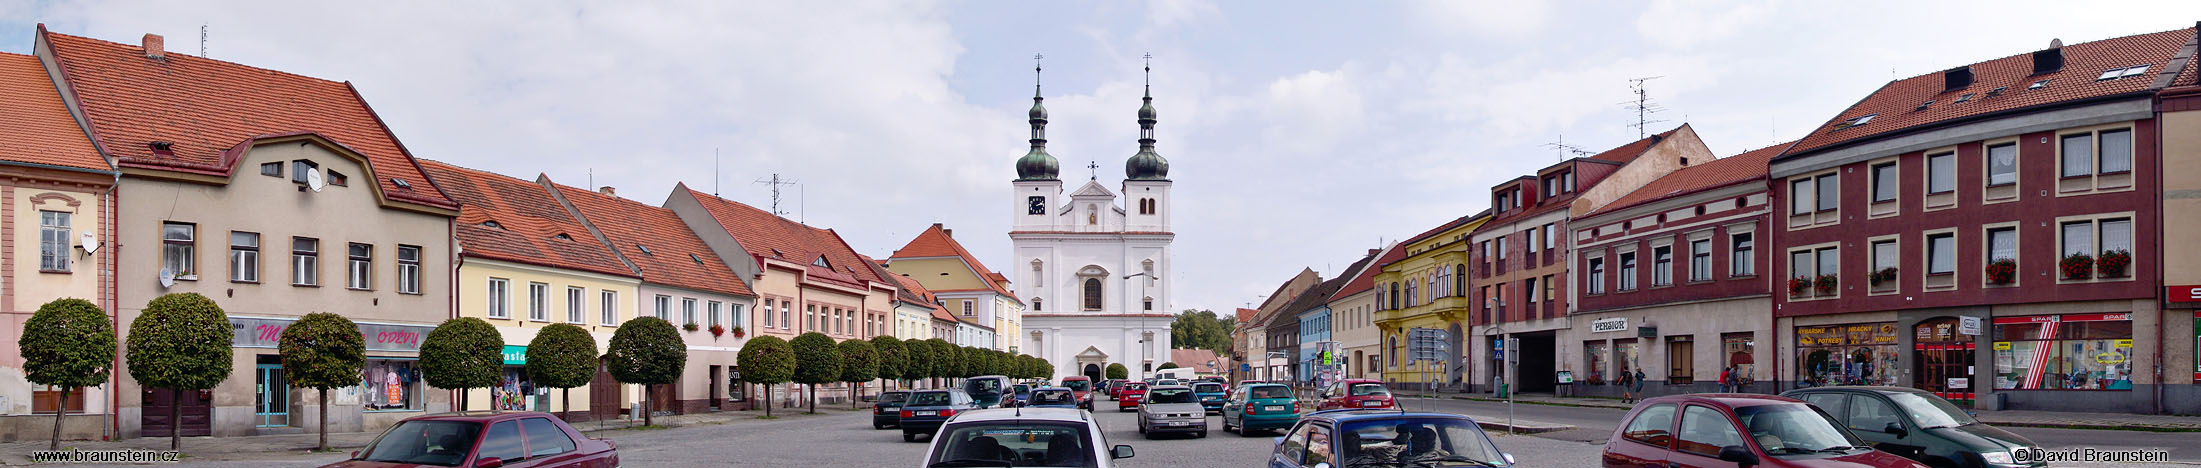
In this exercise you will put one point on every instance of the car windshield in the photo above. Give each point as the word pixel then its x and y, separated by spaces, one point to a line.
pixel 1170 395
pixel 1022 389
pixel 1168 382
pixel 1269 391
pixel 1931 412
pixel 1416 442
pixel 1011 443
pixel 1134 386
pixel 1077 385
pixel 929 399
pixel 982 386
pixel 894 397
pixel 424 442
pixel 1051 397
pixel 1369 389
pixel 1794 429
pixel 1207 388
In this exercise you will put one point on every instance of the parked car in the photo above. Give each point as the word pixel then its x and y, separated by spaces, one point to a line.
pixel 927 409
pixel 1129 398
pixel 1260 407
pixel 987 390
pixel 887 410
pixel 1172 408
pixel 1356 393
pixel 1018 396
pixel 1243 383
pixel 1211 396
pixel 1918 425
pixel 1081 388
pixel 1054 397
pixel 1026 437
pixel 1738 430
pixel 1161 382
pixel 1353 438
pixel 483 440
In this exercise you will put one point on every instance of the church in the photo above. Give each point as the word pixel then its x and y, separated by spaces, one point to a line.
pixel 1094 275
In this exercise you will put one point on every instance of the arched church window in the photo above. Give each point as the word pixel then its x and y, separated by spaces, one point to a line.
pixel 1092 294
pixel 1038 304
pixel 1036 270
pixel 1149 304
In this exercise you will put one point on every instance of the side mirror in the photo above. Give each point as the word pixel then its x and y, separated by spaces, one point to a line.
pixel 488 462
pixel 1322 465
pixel 1121 452
pixel 1897 429
pixel 1279 440
pixel 1741 457
pixel 1508 457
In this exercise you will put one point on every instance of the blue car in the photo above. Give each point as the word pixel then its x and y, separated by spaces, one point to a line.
pixel 1022 394
pixel 1357 437
pixel 1211 395
pixel 1053 397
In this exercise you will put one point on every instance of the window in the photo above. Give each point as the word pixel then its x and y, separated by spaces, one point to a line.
pixel 1597 276
pixel 787 319
pixel 408 269
pixel 768 319
pixel 2049 352
pixel 1941 173
pixel 1799 196
pixel 1092 294
pixel 273 169
pixel 361 267
pixel 305 261
pixel 1885 184
pixel 53 241
pixel 1627 271
pixel 576 304
pixel 544 438
pixel 502 442
pixel 2002 243
pixel 1742 262
pixel 1662 266
pixel 1038 305
pixel 2078 238
pixel 1941 254
pixel 1549 241
pixel 610 308
pixel 1885 255
pixel 338 179
pixel 2116 146
pixel 1528 289
pixel 711 311
pixel 2078 155
pixel 1700 260
pixel 1704 431
pixel 500 298
pixel 687 311
pixel 1501 242
pixel 391 385
pixel 1830 192
pixel 1567 179
pixel 244 257
pixel 1653 426
pixel 2117 235
pixel 299 169
pixel 1681 360
pixel 967 311
pixel 1551 288
pixel 179 249
pixel 538 302
pixel 1830 261
pixel 664 308
pixel 2002 164
pixel 810 317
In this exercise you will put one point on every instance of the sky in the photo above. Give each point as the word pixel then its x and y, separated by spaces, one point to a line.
pixel 1299 133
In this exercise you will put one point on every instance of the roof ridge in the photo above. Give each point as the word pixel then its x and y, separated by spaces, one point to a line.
pixel 166 54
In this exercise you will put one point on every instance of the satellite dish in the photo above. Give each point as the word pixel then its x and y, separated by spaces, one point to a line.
pixel 167 278
pixel 89 241
pixel 313 181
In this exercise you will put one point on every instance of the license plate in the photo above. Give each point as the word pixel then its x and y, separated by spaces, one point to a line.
pixel 1272 408
pixel 928 413
pixel 1367 404
pixel 1180 423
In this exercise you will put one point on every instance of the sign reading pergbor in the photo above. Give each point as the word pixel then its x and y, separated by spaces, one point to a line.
pixel 1611 324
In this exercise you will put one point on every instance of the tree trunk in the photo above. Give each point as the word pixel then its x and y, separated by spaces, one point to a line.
pixel 855 394
pixel 646 404
pixel 59 414
pixel 567 395
pixel 324 420
pixel 813 396
pixel 767 400
pixel 175 419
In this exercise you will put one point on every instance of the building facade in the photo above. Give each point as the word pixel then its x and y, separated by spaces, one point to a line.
pixel 1425 287
pixel 1353 315
pixel 975 294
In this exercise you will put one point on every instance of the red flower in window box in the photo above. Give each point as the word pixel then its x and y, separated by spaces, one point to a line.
pixel 691 326
pixel 738 332
pixel 717 331
pixel 1825 285
pixel 2113 263
pixel 1797 285
pixel 1882 275
pixel 2002 271
pixel 2077 266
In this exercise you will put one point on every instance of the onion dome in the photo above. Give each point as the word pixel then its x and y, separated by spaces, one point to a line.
pixel 1147 164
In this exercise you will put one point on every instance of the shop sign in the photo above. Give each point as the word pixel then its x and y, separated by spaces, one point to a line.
pixel 1609 324
pixel 251 332
pixel 515 355
pixel 1956 383
pixel 2002 346
pixel 1968 326
pixel 2186 293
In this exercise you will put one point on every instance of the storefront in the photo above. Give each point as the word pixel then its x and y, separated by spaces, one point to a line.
pixel 1945 357
pixel 1738 351
pixel 1853 354
pixel 389 387
pixel 515 391
pixel 2064 352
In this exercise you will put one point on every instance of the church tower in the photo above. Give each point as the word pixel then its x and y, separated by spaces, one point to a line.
pixel 1146 174
pixel 1038 191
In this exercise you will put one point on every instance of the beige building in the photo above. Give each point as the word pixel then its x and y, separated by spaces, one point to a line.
pixel 973 293
pixel 1353 316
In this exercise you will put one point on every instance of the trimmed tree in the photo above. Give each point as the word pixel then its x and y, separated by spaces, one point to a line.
pixel 323 351
pixel 562 356
pixel 766 360
pixel 817 361
pixel 946 362
pixel 1046 369
pixel 180 342
pixel 1167 365
pixel 969 362
pixel 1117 371
pixel 921 361
pixel 70 345
pixel 893 357
pixel 646 350
pixel 462 354
pixel 859 364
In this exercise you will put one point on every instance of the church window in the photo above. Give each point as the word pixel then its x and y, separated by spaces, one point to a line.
pixel 1092 294
pixel 1038 305
pixel 1149 304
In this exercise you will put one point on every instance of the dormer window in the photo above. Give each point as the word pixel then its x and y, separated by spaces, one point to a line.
pixel 492 224
pixel 821 262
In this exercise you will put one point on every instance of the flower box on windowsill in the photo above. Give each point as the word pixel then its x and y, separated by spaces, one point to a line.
pixel 2114 263
pixel 2002 271
pixel 2076 267
pixel 1826 285
pixel 1797 286
pixel 1883 275
pixel 691 326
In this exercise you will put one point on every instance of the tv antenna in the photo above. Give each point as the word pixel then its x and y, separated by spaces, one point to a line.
pixel 714 172
pixel 1564 150
pixel 202 40
pixel 776 182
pixel 1643 106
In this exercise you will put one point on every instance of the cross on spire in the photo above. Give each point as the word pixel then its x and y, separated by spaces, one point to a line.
pixel 1149 70
pixel 1035 72
pixel 1095 166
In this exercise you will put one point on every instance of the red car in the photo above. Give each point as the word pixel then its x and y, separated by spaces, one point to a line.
pixel 1129 397
pixel 523 439
pixel 1356 393
pixel 1081 390
pixel 1738 430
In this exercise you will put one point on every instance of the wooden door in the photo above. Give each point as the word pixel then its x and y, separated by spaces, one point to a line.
pixel 603 395
pixel 196 416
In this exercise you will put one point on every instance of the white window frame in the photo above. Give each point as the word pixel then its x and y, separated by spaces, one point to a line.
pixel 408 271
pixel 710 309
pixel 687 311
pixel 664 309
pixel 179 254
pixel 576 304
pixel 55 229
pixel 305 265
pixel 359 269
pixel 244 260
pixel 610 308
pixel 538 301
pixel 1991 192
pixel 500 298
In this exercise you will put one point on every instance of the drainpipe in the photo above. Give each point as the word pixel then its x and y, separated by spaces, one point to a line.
pixel 107 288
pixel 450 246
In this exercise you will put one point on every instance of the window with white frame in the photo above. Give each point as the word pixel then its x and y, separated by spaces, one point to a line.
pixel 2002 164
pixel 1700 260
pixel 244 257
pixel 687 311
pixel 1742 260
pixel 538 302
pixel 360 268
pixel 710 311
pixel 500 298
pixel 968 311
pixel 408 269
pixel 1533 240
pixel 736 316
pixel 179 249
pixel 305 261
pixel 664 308
pixel 610 307
pixel 576 304
pixel 53 241
pixel 1501 246
pixel 1550 242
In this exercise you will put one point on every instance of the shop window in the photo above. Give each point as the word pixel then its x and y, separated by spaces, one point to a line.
pixel 1858 354
pixel 1739 352
pixel 1625 352
pixel 2067 352
pixel 1681 358
pixel 391 385
pixel 1597 358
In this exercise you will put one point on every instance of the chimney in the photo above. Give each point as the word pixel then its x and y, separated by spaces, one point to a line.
pixel 1956 78
pixel 153 47
pixel 948 232
pixel 607 190
pixel 2049 60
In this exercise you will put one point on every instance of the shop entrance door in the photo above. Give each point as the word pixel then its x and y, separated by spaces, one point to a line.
pixel 271 407
pixel 1944 361
pixel 195 417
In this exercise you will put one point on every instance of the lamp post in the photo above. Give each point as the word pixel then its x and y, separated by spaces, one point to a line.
pixel 1143 333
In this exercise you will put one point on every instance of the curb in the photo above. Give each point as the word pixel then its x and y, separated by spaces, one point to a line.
pixel 2094 427
pixel 1523 427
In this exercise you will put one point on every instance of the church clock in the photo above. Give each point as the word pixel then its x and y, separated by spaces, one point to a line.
pixel 1038 205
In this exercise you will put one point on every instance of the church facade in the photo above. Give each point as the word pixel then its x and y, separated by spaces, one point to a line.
pixel 1094 274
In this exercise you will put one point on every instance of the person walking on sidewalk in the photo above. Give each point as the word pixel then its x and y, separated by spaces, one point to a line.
pixel 1726 385
pixel 1627 388
pixel 1637 380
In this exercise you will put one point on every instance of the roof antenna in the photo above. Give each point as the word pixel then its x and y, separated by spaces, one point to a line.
pixel 714 171
pixel 775 181
pixel 1565 148
pixel 1643 106
pixel 591 177
pixel 202 40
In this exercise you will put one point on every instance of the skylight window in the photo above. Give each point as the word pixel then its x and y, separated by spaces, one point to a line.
pixel 492 224
pixel 821 262
pixel 1995 92
pixel 2139 70
pixel 698 260
pixel 1925 105
pixel 1965 97
pixel 2038 84
pixel 562 237
pixel 1855 121
pixel 645 250
pixel 2115 73
pixel 401 183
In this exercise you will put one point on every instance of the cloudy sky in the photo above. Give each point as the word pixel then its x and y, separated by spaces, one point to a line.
pixel 1300 133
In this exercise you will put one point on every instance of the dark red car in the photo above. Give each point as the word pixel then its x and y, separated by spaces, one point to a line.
pixel 1724 430
pixel 523 439
pixel 1356 394
pixel 1129 397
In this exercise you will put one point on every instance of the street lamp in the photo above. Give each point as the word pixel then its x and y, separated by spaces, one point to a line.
pixel 1143 333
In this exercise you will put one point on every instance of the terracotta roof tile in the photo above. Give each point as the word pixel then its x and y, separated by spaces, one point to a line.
pixel 766 235
pixel 1245 314
pixel 36 127
pixel 923 296
pixel 1196 359
pixel 203 107
pixel 528 223
pixel 1630 151
pixel 676 256
pixel 1895 106
pixel 1750 165
pixel 1362 276
pixel 935 242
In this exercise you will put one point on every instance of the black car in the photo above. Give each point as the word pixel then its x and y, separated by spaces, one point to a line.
pixel 887 411
pixel 1918 425
pixel 927 409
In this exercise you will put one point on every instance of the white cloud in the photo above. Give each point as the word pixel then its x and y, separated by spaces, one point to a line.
pixel 1493 19
pixel 1686 23
pixel 1165 13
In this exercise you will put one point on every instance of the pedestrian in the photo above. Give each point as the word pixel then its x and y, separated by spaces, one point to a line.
pixel 1727 386
pixel 1638 383
pixel 1627 392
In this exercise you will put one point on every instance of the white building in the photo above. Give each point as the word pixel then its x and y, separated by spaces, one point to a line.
pixel 1093 275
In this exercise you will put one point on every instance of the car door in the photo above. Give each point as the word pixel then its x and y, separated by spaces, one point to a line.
pixel 1645 440
pixel 1702 432
pixel 1869 417
pixel 548 446
pixel 503 441
pixel 1233 403
pixel 1307 445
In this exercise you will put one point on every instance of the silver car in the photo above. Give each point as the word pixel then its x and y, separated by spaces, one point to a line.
pixel 1172 408
pixel 1051 437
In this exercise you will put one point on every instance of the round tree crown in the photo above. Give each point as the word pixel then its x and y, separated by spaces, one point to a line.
pixel 180 341
pixel 68 344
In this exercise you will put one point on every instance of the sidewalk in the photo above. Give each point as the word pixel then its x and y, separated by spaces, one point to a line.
pixel 258 447
pixel 2013 418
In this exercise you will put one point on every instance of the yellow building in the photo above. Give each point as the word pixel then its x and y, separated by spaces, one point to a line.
pixel 970 292
pixel 1427 288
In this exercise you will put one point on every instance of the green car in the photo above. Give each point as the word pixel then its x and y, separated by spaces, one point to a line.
pixel 1260 407
pixel 1918 425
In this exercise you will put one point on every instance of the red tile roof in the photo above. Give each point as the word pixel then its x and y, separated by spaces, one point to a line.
pixel 1722 172
pixel 676 256
pixel 1245 314
pixel 766 235
pixel 1365 278
pixel 528 222
pixel 1196 359
pixel 1622 154
pixel 36 128
pixel 935 242
pixel 924 296
pixel 1630 151
pixel 1896 103
pixel 204 107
